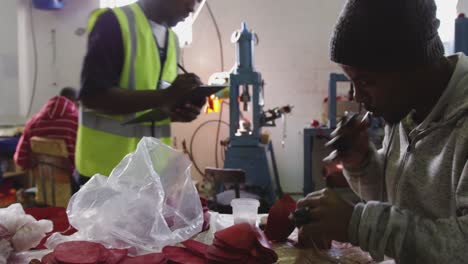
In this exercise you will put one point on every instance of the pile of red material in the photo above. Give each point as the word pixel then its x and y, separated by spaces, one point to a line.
pixel 279 225
pixel 58 216
pixel 193 253
pixel 83 252
pixel 240 243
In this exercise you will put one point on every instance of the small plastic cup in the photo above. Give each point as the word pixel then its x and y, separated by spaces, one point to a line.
pixel 245 210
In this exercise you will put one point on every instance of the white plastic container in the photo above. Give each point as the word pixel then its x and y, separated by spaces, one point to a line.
pixel 245 210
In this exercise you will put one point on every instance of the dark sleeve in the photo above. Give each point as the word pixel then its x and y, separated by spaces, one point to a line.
pixel 103 62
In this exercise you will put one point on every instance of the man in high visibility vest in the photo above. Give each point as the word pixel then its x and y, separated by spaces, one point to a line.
pixel 130 67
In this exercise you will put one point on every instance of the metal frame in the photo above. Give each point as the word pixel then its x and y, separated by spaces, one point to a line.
pixel 311 133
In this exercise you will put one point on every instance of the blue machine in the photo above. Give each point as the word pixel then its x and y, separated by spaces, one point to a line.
pixel 461 34
pixel 48 4
pixel 311 133
pixel 375 130
pixel 245 150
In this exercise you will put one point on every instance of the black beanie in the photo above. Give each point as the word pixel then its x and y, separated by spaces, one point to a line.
pixel 387 34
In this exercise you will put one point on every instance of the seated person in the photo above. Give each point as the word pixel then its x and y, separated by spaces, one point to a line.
pixel 58 119
pixel 414 190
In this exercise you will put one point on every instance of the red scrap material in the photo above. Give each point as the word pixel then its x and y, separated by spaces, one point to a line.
pixel 279 227
pixel 154 258
pixel 179 255
pixel 84 252
pixel 116 256
pixel 80 252
pixel 222 255
pixel 238 237
pixel 49 259
pixel 197 248
pixel 241 243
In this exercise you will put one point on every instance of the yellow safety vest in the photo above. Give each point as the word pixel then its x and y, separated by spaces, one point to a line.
pixel 103 141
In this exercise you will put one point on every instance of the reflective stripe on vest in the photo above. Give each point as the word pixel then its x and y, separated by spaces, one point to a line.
pixel 112 126
pixel 134 43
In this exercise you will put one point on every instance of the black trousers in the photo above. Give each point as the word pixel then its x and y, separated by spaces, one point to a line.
pixel 78 180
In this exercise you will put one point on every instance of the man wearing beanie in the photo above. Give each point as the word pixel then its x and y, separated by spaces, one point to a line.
pixel 414 190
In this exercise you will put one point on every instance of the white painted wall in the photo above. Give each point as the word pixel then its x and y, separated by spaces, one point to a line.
pixel 8 60
pixel 60 50
pixel 462 6
pixel 292 56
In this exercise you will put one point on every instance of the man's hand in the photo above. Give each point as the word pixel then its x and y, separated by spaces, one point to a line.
pixel 350 141
pixel 181 88
pixel 198 102
pixel 330 216
pixel 185 113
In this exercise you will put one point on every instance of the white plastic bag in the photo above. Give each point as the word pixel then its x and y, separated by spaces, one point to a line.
pixel 149 201
pixel 19 231
pixel 5 251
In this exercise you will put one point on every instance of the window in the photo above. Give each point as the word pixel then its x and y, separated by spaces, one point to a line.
pixel 183 29
pixel 115 3
pixel 447 13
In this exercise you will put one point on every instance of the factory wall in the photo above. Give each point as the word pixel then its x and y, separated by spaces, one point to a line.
pixel 8 60
pixel 462 6
pixel 60 49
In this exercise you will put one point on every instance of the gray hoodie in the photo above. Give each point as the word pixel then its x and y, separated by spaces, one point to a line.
pixel 417 185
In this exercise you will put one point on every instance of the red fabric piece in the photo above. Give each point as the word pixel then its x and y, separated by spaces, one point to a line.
pixel 241 243
pixel 264 245
pixel 58 216
pixel 58 119
pixel 215 259
pixel 222 245
pixel 116 256
pixel 78 252
pixel 104 255
pixel 49 259
pixel 216 253
pixel 154 258
pixel 178 255
pixel 84 252
pixel 196 247
pixel 279 227
pixel 240 236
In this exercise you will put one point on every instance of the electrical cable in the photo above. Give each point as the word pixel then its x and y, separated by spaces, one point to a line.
pixel 33 35
pixel 218 32
pixel 192 140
